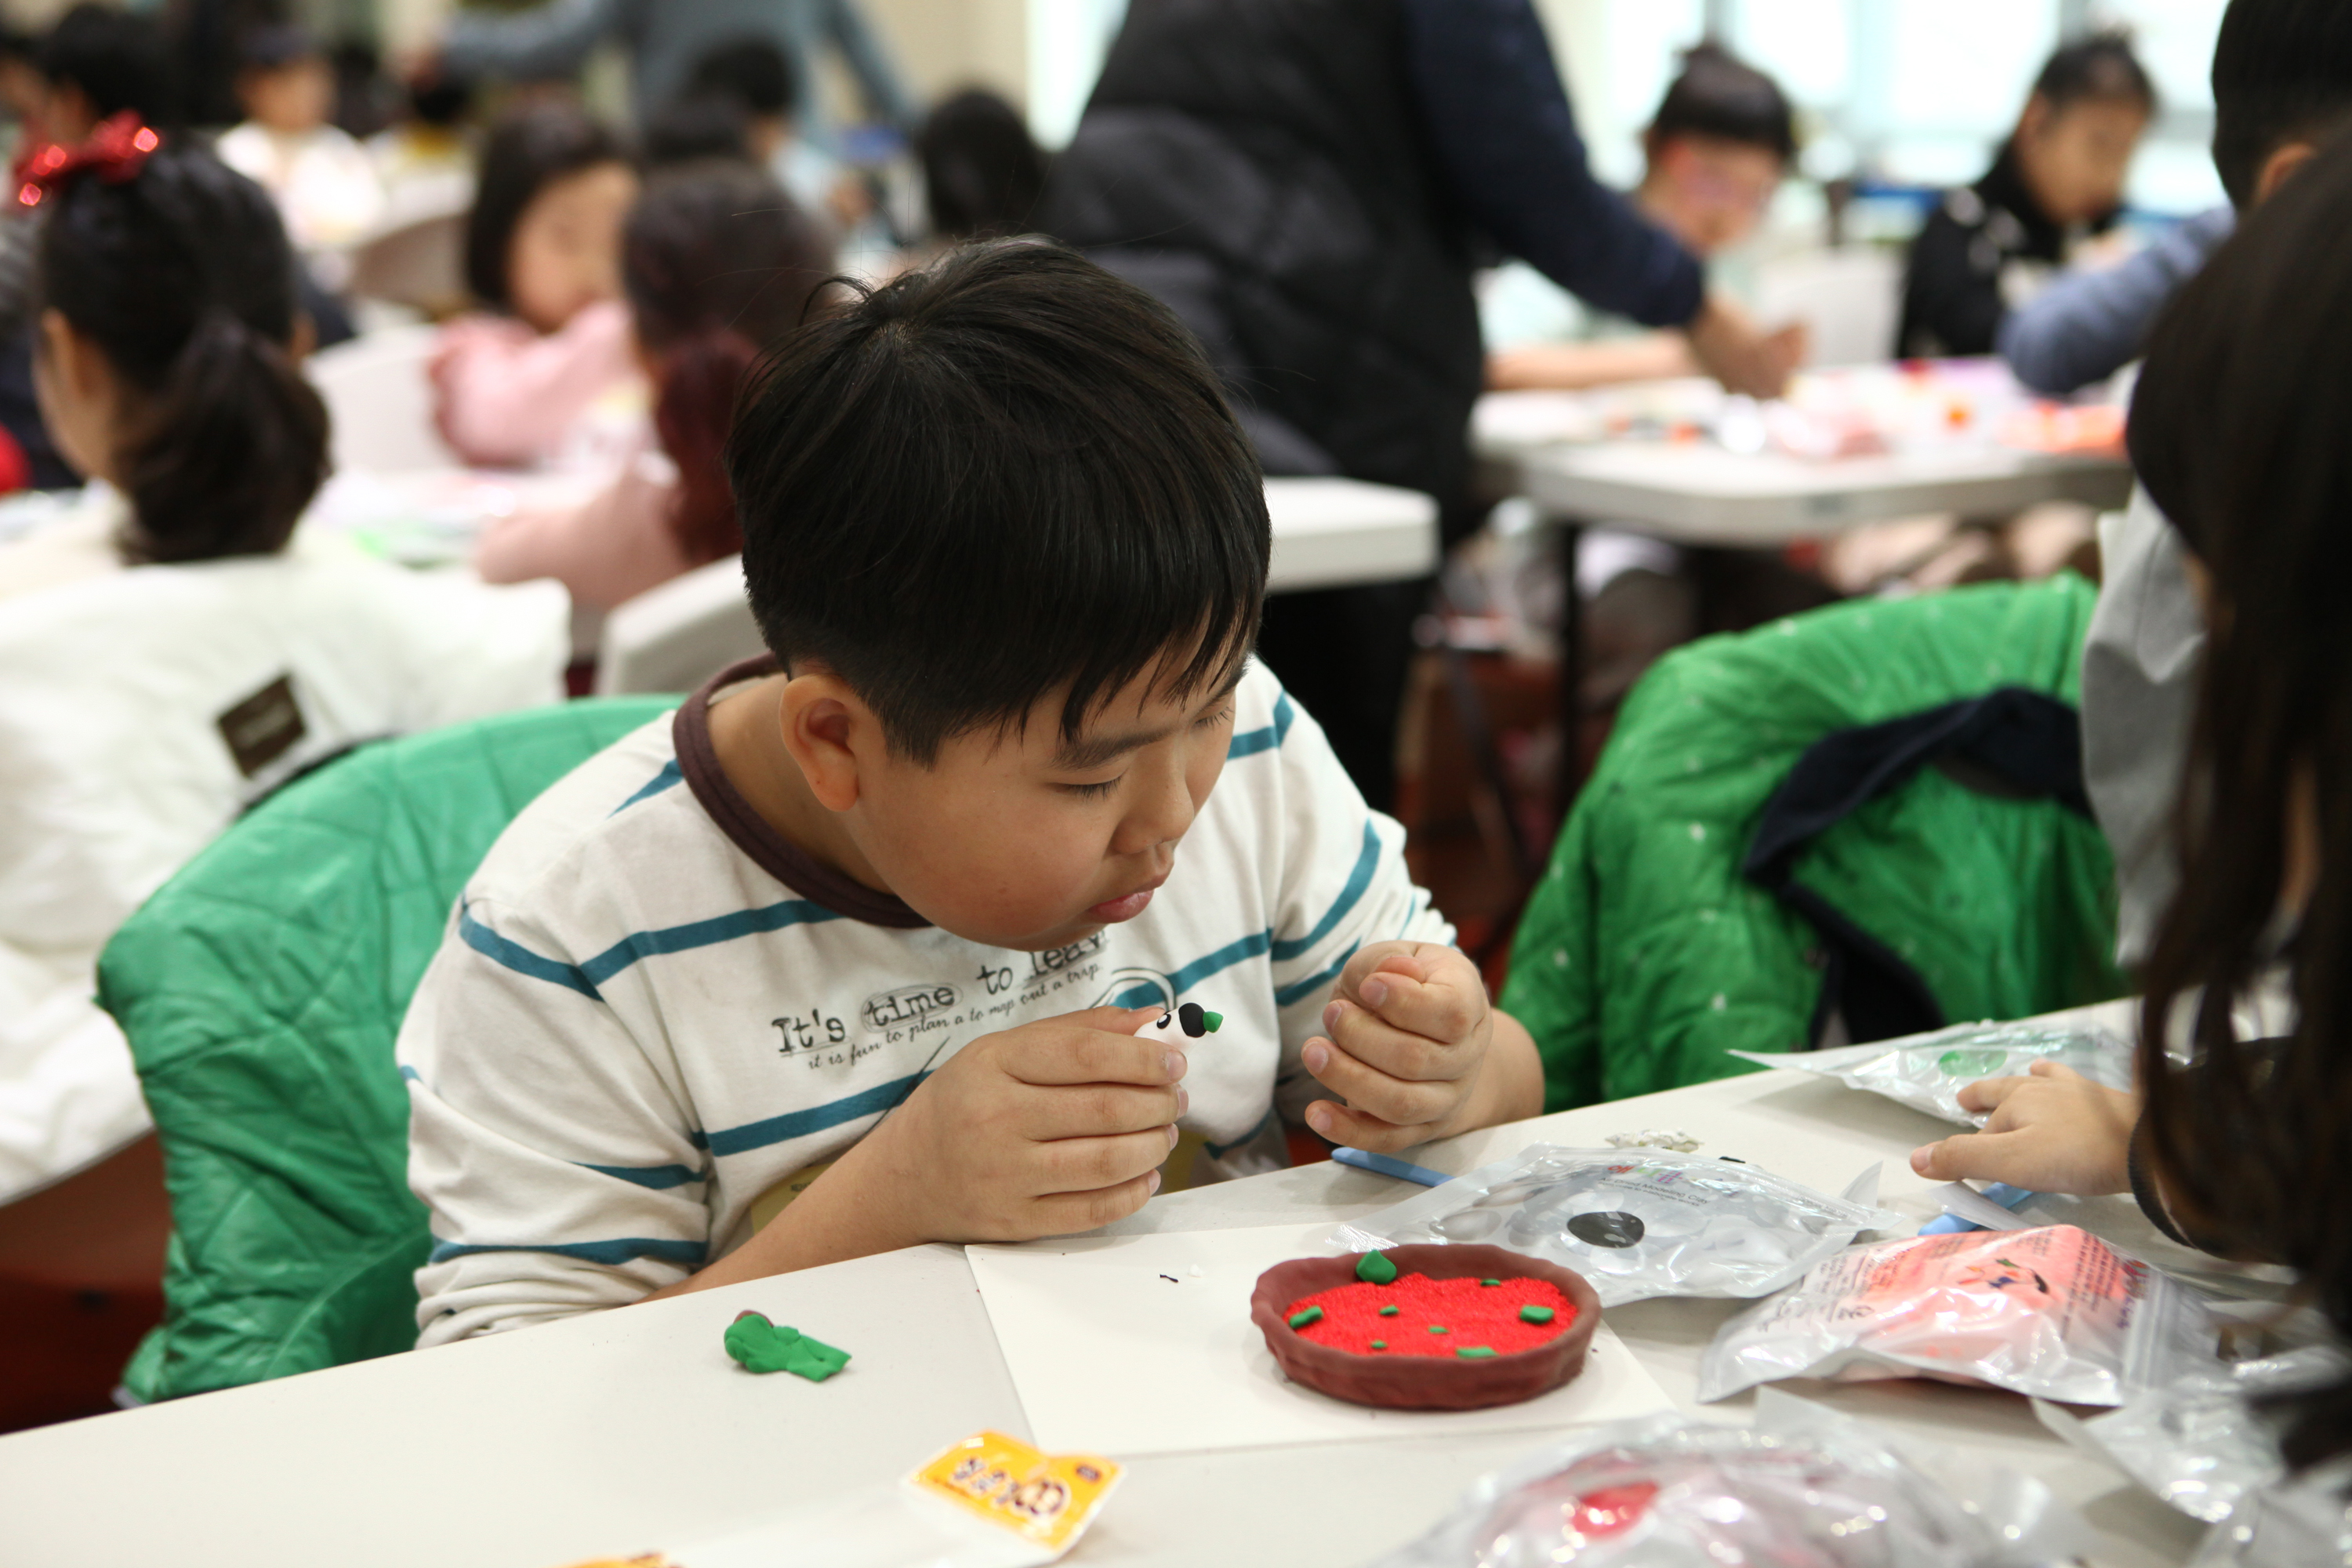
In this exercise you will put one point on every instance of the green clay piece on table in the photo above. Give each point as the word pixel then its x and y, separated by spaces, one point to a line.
pixel 1535 1314
pixel 1374 1268
pixel 1439 1329
pixel 1474 1353
pixel 1379 1344
pixel 1311 1315
pixel 1212 1021
pixel 763 1346
pixel 1388 1311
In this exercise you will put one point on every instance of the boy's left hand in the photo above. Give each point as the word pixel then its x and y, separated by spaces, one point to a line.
pixel 1407 1038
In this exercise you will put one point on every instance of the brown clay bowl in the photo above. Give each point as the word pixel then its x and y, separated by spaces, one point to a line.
pixel 1420 1382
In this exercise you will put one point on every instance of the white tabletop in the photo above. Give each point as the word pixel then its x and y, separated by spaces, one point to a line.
pixel 1328 533
pixel 1642 457
pixel 1333 533
pixel 628 1431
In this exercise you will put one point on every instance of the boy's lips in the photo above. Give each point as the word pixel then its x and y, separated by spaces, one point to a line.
pixel 1126 907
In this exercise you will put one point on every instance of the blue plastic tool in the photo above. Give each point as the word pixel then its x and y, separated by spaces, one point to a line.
pixel 1389 1165
pixel 2001 1193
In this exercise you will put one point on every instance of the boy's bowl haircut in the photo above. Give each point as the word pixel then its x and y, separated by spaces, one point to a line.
pixel 1009 475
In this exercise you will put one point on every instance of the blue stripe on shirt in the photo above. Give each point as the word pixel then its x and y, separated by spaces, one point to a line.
pixel 585 977
pixel 661 781
pixel 1367 860
pixel 1144 994
pixel 660 1178
pixel 816 1119
pixel 521 960
pixel 703 933
pixel 620 1249
pixel 1250 742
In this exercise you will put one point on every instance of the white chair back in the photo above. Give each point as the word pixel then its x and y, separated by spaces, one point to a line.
pixel 381 402
pixel 676 637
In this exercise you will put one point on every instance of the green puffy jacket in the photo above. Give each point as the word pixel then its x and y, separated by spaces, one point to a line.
pixel 261 989
pixel 1644 955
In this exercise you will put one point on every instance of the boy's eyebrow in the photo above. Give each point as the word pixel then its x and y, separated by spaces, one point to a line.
pixel 1094 751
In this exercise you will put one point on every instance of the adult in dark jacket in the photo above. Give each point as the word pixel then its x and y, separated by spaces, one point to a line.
pixel 1309 185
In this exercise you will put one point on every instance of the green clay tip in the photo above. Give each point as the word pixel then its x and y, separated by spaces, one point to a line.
pixel 1439 1329
pixel 1310 1315
pixel 1212 1021
pixel 1490 1283
pixel 1474 1353
pixel 1374 1268
pixel 1535 1314
pixel 1379 1344
pixel 1388 1311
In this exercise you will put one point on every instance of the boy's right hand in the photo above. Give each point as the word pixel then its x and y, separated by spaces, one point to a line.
pixel 1052 1127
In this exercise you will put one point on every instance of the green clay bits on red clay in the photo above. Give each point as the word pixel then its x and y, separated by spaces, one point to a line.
pixel 1374 1268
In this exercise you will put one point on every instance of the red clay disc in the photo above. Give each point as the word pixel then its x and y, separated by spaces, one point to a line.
pixel 1421 1381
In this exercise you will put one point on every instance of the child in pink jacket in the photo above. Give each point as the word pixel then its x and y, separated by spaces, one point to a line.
pixel 542 249
pixel 718 265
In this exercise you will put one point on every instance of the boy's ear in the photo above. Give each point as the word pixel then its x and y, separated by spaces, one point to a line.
pixel 831 734
pixel 2283 160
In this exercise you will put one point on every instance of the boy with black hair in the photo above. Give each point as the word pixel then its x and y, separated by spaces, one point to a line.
pixel 869 928
pixel 1720 143
pixel 2059 176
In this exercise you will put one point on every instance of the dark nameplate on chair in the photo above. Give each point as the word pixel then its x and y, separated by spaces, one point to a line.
pixel 264 727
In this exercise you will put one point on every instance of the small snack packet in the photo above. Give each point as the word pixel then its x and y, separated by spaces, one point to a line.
pixel 988 1501
pixel 1637 1223
pixel 1928 1072
pixel 2052 1312
pixel 1803 1485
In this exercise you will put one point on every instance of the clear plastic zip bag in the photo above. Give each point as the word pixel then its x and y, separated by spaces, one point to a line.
pixel 2051 1311
pixel 1638 1222
pixel 1928 1072
pixel 2199 1443
pixel 2301 1523
pixel 1804 1487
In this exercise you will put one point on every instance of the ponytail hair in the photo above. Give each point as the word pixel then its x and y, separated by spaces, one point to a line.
pixel 182 275
pixel 718 267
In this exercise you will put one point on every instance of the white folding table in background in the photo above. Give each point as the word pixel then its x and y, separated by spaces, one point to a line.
pixel 1697 493
pixel 629 1431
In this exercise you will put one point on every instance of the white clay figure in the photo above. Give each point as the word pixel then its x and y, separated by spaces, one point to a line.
pixel 1182 1026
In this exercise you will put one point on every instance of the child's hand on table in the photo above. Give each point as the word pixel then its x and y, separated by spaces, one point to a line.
pixel 2053 1131
pixel 1414 1047
pixel 1050 1128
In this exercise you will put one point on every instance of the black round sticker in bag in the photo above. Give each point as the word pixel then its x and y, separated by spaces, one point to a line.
pixel 1610 1228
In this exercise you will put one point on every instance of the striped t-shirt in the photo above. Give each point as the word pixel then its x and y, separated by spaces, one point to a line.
pixel 650 1009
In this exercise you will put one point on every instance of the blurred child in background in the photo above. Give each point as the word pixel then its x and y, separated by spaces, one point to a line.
pixel 1717 152
pixel 755 74
pixel 169 649
pixel 1988 246
pixel 717 264
pixel 543 256
pixel 983 174
pixel 322 180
